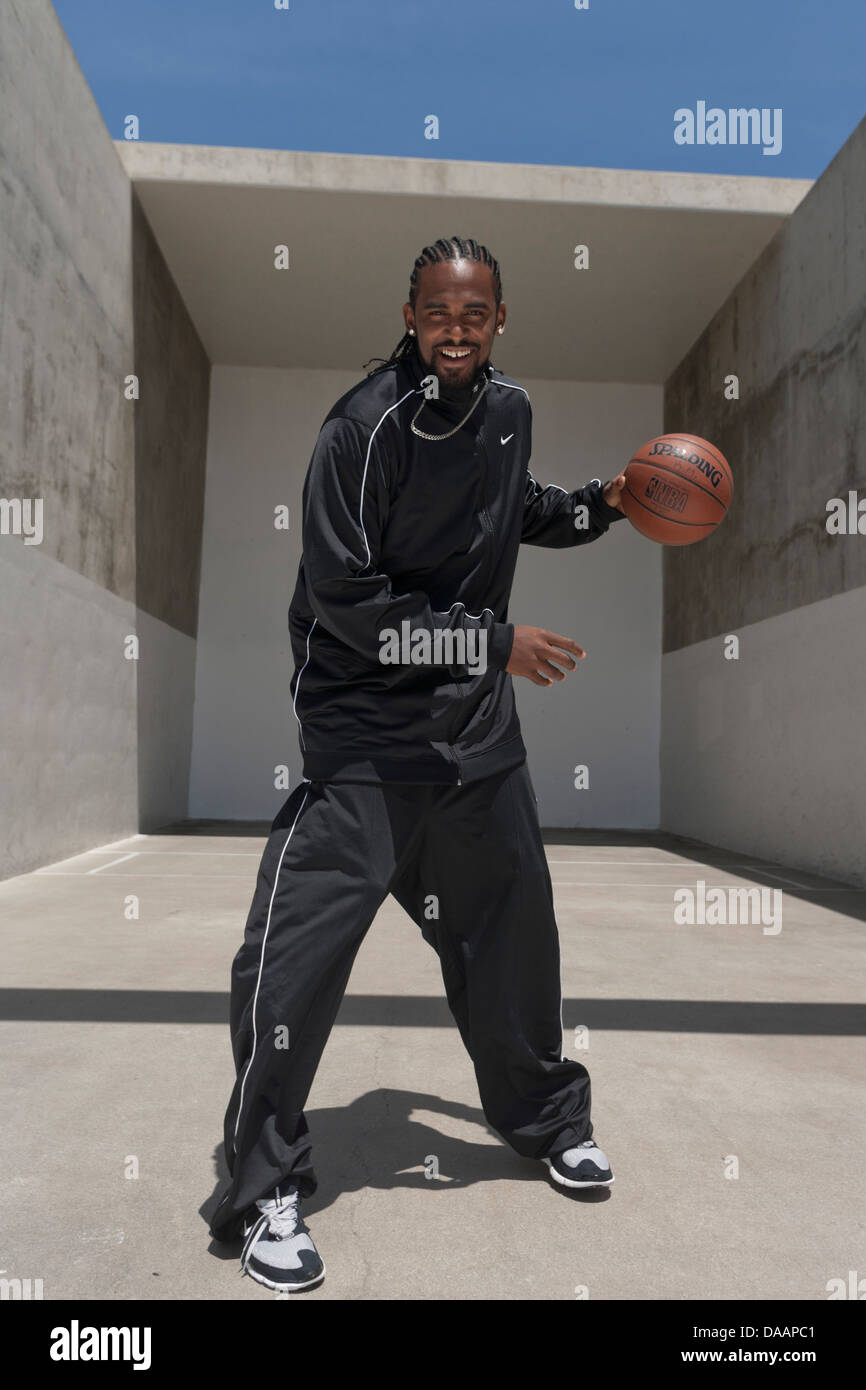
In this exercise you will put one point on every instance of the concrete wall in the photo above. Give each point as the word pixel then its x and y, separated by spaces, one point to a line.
pixel 767 754
pixel 170 455
pixel 71 328
pixel 263 427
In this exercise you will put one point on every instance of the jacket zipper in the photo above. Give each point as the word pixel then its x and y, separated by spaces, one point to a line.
pixel 487 526
pixel 487 523
pixel 486 519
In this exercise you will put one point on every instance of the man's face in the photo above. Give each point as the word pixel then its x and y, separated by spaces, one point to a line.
pixel 455 310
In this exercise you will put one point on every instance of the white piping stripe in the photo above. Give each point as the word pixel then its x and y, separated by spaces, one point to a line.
pixel 298 685
pixel 262 961
pixel 512 388
pixel 413 392
pixel 545 489
pixel 440 613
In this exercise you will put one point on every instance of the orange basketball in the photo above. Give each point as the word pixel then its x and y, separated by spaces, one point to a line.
pixel 678 489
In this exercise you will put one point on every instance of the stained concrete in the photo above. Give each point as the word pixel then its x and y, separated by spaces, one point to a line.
pixel 766 752
pixel 171 424
pixel 66 313
pixel 713 1050
pixel 794 332
pixel 94 743
pixel 68 696
pixel 152 161
pixel 171 428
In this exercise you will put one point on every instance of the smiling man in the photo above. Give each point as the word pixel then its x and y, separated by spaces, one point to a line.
pixel 416 501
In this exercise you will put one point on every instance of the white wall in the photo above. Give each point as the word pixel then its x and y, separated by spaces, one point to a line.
pixel 263 426
pixel 766 754
pixel 608 597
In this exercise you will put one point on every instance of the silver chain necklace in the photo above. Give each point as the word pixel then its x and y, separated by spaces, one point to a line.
pixel 436 437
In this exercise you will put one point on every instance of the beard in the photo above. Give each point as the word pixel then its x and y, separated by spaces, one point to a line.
pixel 449 390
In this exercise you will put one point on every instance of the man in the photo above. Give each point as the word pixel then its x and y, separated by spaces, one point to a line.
pixel 417 498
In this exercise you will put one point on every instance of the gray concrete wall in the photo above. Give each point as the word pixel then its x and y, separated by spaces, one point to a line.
pixel 794 331
pixel 263 427
pixel 767 754
pixel 170 455
pixel 71 328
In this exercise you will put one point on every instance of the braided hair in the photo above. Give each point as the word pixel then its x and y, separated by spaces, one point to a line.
pixel 445 249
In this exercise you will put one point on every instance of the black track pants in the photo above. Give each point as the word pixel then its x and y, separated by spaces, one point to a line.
pixel 467 864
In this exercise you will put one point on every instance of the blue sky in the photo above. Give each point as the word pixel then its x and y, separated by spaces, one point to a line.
pixel 528 81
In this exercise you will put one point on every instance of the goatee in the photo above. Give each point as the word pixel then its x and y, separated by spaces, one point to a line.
pixel 449 391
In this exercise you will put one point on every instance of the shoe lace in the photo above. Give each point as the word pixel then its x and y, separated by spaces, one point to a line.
pixel 280 1217
pixel 282 1213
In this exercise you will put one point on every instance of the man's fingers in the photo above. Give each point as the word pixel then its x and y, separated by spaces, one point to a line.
pixel 565 643
pixel 543 656
pixel 547 668
pixel 560 658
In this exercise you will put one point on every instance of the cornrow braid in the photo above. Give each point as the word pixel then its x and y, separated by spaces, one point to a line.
pixel 445 249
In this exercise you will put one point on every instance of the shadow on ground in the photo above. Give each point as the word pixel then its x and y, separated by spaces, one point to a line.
pixel 375 1142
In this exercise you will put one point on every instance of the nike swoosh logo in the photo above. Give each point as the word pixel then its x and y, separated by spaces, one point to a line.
pixel 506 438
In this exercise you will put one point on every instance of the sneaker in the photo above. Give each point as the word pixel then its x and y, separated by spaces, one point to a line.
pixel 278 1250
pixel 583 1165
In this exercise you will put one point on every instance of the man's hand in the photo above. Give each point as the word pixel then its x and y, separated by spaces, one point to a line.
pixel 534 651
pixel 613 492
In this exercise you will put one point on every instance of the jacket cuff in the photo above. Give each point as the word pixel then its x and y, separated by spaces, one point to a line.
pixel 499 644
pixel 607 512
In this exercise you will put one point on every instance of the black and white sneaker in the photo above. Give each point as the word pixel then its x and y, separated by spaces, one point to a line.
pixel 583 1165
pixel 278 1250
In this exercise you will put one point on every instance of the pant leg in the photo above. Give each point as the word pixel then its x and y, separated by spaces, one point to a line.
pixel 325 871
pixel 483 859
pixel 412 890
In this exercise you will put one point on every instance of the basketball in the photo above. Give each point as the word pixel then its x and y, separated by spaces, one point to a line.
pixel 678 489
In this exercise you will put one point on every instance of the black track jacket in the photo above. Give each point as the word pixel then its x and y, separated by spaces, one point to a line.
pixel 399 620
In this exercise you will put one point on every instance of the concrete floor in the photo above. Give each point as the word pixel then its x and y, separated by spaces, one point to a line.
pixel 706 1044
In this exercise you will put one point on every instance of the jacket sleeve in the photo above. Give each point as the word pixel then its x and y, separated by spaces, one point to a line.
pixel 554 517
pixel 557 518
pixel 345 512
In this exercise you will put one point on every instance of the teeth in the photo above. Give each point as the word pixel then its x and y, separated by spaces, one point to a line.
pixel 456 352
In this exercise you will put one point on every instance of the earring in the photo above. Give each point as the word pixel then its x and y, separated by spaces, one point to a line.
pixel 500 329
pixel 412 332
